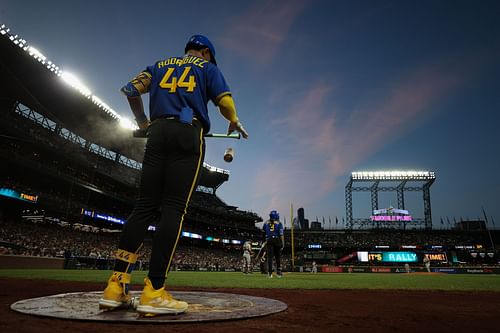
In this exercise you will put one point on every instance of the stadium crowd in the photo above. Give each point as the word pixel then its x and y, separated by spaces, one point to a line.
pixel 360 239
pixel 83 242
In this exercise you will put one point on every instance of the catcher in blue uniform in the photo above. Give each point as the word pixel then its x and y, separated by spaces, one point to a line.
pixel 179 89
pixel 275 241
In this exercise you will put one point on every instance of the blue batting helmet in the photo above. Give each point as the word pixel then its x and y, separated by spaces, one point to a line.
pixel 200 41
pixel 274 215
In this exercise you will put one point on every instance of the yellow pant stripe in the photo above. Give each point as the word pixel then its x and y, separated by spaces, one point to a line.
pixel 193 184
pixel 126 256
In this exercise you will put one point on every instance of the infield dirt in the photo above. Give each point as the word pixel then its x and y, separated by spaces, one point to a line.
pixel 308 311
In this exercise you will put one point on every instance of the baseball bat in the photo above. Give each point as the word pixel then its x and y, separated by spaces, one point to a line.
pixel 221 135
pixel 142 134
pixel 259 254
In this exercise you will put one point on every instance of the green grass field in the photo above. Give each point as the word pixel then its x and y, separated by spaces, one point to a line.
pixel 448 282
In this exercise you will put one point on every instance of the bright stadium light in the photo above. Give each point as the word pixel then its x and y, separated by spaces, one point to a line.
pixel 393 175
pixel 75 83
pixel 4 29
pixel 35 53
pixel 127 124
pixel 97 100
pixel 69 78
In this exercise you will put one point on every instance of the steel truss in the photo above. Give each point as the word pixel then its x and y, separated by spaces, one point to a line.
pixel 400 189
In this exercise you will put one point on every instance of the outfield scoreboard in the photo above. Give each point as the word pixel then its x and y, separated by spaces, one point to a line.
pixel 391 214
pixel 365 256
pixel 11 193
pixel 399 256
pixel 438 257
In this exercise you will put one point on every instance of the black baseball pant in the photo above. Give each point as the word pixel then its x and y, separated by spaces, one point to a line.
pixel 274 250
pixel 171 169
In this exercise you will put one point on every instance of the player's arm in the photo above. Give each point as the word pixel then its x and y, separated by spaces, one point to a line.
pixel 228 111
pixel 133 90
pixel 219 93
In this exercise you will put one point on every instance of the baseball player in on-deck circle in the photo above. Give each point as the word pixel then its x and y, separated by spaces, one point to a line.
pixel 247 257
pixel 275 240
pixel 314 268
pixel 179 90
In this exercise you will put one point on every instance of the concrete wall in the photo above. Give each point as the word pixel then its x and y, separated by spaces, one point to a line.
pixel 8 261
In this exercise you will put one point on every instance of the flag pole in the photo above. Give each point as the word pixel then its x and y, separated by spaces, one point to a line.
pixel 487 228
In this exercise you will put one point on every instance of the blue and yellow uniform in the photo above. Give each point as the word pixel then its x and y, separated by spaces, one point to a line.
pixel 273 230
pixel 177 83
pixel 179 89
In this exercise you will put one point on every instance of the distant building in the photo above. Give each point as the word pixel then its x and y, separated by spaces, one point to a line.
pixel 470 225
pixel 303 222
pixel 316 225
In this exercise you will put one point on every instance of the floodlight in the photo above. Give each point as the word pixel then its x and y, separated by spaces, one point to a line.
pixel 127 123
pixel 75 83
pixel 393 175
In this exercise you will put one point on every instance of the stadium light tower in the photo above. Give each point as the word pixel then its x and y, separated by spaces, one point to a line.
pixel 68 78
pixel 401 177
pixel 76 83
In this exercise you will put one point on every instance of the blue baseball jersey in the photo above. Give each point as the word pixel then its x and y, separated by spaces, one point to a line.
pixel 273 229
pixel 179 82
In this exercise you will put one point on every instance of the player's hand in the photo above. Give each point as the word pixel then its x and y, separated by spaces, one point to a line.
pixel 237 126
pixel 143 125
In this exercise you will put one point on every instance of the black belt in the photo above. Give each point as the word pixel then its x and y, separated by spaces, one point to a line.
pixel 168 116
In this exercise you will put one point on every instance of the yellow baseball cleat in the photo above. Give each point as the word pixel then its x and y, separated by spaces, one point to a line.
pixel 158 301
pixel 114 295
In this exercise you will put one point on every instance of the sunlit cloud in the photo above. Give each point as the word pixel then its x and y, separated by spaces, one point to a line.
pixel 322 148
pixel 260 31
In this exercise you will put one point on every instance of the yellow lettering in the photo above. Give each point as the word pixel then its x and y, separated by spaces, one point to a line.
pixel 199 62
pixel 29 197
pixel 179 62
pixel 165 84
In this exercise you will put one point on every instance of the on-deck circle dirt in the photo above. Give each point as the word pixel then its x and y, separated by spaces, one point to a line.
pixel 308 311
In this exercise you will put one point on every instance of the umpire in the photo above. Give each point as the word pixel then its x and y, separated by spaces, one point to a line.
pixel 179 90
pixel 275 239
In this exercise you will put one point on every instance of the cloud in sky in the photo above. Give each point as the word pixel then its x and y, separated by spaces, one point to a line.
pixel 321 146
pixel 260 31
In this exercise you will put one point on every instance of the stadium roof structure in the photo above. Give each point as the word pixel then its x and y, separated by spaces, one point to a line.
pixel 28 77
pixel 392 175
pixel 399 177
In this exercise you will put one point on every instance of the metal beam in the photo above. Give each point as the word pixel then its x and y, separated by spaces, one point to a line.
pixel 401 194
pixel 427 204
pixel 352 222
pixel 374 195
pixel 348 204
pixel 387 189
